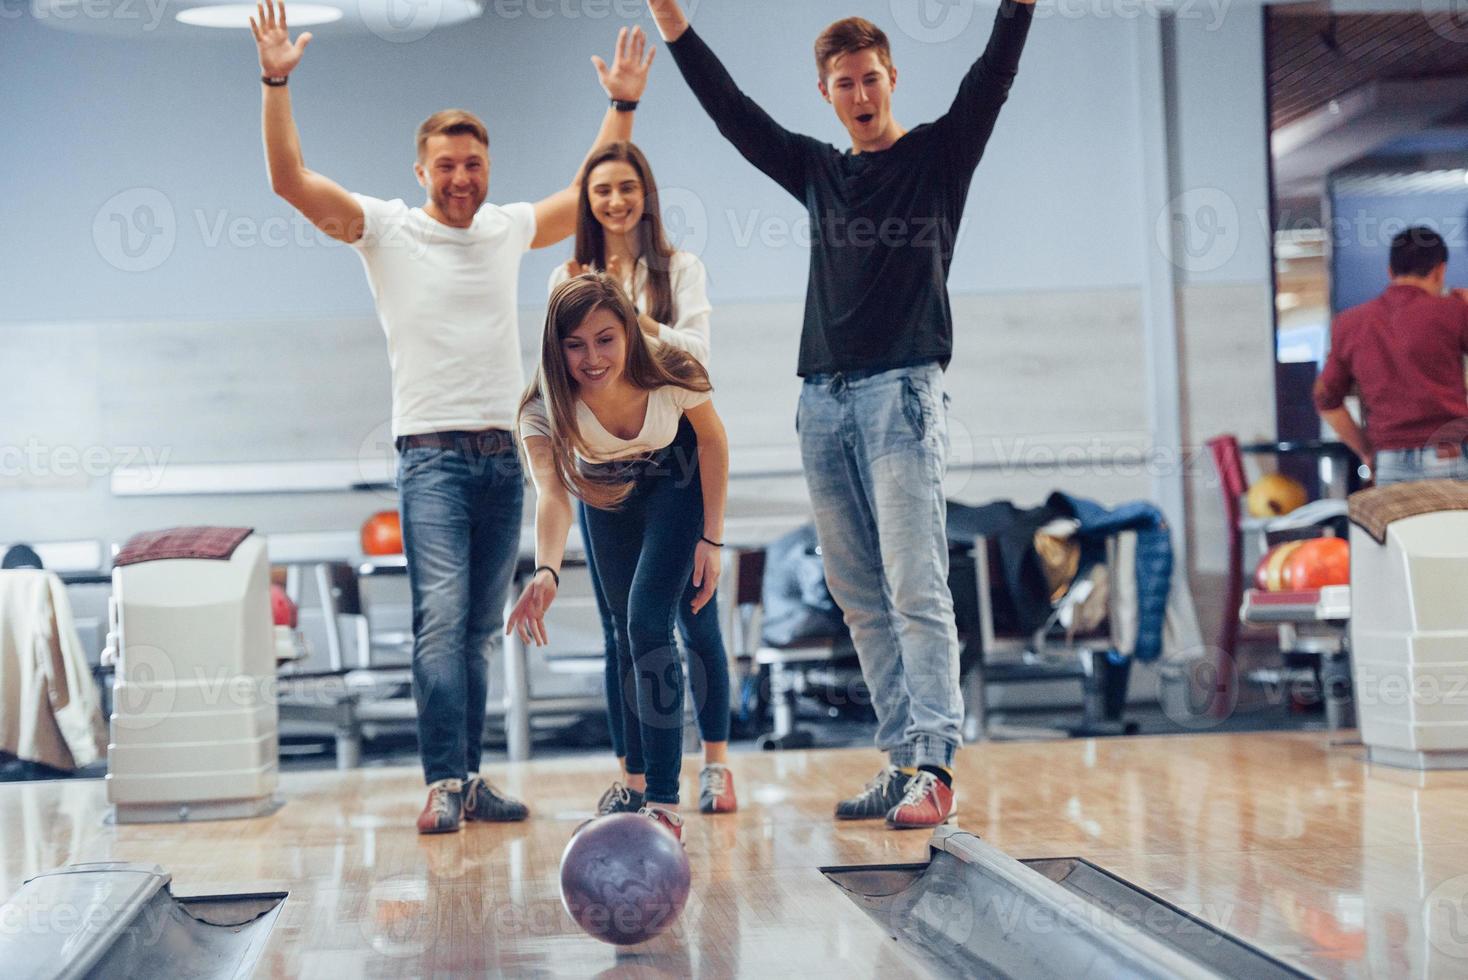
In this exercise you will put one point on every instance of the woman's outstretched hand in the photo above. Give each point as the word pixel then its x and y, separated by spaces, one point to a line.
pixel 706 570
pixel 626 79
pixel 528 617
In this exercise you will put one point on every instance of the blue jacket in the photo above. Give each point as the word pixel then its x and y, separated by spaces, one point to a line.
pixel 1154 558
pixel 797 603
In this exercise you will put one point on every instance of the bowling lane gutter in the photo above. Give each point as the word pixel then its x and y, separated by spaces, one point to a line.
pixel 973 910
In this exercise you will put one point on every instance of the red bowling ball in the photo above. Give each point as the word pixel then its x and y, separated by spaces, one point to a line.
pixel 282 609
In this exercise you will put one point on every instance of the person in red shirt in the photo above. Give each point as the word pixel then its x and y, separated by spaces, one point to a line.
pixel 1403 351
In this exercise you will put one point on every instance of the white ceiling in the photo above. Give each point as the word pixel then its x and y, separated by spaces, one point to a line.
pixel 409 20
pixel 391 20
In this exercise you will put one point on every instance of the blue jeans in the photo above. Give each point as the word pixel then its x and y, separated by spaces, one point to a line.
pixel 461 515
pixel 875 449
pixel 1404 465
pixel 708 666
pixel 643 555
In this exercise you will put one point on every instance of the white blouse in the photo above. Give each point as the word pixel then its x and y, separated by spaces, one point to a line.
pixel 665 408
pixel 689 282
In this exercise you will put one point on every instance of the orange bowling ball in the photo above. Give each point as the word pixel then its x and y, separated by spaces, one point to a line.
pixel 382 534
pixel 1269 575
pixel 1318 563
pixel 1274 495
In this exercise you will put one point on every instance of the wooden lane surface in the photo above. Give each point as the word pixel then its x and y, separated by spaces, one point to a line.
pixel 1287 840
pixel 370 897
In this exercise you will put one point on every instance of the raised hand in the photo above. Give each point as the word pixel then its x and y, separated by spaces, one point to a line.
pixel 528 616
pixel 670 19
pixel 574 269
pixel 627 78
pixel 615 270
pixel 706 571
pixel 278 56
pixel 1462 294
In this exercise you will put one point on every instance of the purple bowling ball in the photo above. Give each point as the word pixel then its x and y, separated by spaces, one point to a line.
pixel 624 878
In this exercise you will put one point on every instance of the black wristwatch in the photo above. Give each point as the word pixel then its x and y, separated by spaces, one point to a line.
pixel 623 105
pixel 274 81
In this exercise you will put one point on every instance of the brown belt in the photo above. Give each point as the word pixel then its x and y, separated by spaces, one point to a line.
pixel 487 442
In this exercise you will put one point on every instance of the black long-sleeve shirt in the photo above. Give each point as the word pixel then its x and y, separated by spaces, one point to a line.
pixel 883 224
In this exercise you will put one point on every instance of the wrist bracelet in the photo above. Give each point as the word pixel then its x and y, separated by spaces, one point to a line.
pixel 275 81
pixel 624 105
pixel 707 540
pixel 547 568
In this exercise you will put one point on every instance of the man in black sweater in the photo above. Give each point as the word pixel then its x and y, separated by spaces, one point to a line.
pixel 878 334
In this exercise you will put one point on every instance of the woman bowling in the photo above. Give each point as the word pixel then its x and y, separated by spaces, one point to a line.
pixel 628 428
pixel 619 230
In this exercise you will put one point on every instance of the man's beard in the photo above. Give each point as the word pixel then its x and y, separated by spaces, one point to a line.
pixel 448 205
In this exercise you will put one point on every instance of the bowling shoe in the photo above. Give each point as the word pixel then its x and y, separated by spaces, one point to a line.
pixel 483 802
pixel 927 803
pixel 620 799
pixel 444 808
pixel 877 799
pixel 667 818
pixel 716 789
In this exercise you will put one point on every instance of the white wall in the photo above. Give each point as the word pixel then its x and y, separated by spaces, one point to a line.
pixel 1226 331
pixel 109 125
pixel 311 390
pixel 230 347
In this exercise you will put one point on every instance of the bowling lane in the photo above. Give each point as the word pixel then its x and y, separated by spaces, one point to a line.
pixel 370 897
pixel 1290 841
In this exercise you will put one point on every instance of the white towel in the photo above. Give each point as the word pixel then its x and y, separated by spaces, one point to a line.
pixel 50 710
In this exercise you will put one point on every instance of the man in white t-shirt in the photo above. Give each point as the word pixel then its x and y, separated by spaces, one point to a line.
pixel 444 279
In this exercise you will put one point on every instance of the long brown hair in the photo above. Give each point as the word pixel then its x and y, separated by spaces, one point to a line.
pixel 648 367
pixel 652 241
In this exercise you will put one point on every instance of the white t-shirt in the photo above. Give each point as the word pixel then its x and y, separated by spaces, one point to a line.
pixel 446 298
pixel 665 408
pixel 689 281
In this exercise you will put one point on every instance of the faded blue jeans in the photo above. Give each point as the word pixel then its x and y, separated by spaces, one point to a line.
pixel 1403 465
pixel 875 448
pixel 461 513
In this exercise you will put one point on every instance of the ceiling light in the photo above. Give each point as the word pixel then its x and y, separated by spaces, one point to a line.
pixel 237 15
